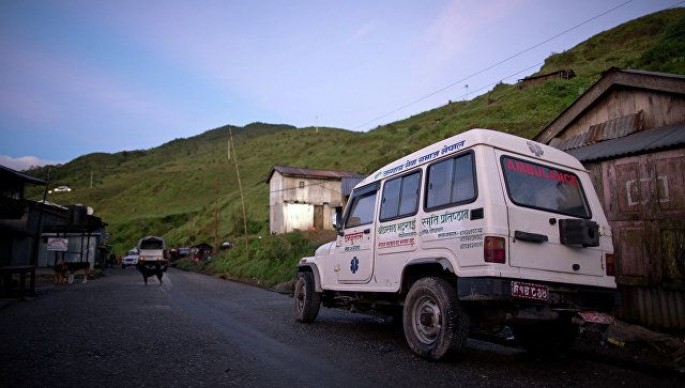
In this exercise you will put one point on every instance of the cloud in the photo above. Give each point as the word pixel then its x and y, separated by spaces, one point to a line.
pixel 23 163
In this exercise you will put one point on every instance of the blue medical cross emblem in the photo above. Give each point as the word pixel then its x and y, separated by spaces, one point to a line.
pixel 354 264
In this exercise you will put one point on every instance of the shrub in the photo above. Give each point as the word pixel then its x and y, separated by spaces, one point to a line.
pixel 271 259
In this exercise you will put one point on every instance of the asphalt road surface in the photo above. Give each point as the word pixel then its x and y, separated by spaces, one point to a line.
pixel 195 330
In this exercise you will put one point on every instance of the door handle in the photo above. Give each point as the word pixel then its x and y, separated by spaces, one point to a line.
pixel 367 231
pixel 532 237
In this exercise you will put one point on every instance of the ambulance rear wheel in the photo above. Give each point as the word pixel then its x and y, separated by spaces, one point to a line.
pixel 434 323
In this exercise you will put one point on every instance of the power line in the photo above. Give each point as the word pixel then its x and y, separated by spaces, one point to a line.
pixel 494 65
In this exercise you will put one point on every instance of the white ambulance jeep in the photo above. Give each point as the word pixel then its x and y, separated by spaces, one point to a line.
pixel 475 232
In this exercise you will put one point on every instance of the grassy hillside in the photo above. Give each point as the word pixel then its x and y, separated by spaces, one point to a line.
pixel 187 190
pixel 175 190
pixel 655 42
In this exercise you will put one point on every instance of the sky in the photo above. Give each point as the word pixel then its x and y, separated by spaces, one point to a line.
pixel 83 76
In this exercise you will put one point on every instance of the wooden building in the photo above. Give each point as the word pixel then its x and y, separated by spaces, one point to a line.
pixel 22 220
pixel 303 199
pixel 628 129
pixel 84 235
pixel 17 229
pixel 542 78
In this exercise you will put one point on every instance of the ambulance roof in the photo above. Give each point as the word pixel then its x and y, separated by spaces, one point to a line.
pixel 469 139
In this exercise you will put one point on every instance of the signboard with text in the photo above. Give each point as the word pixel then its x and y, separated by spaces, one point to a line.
pixel 58 244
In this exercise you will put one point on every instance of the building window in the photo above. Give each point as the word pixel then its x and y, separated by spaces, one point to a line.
pixel 302 184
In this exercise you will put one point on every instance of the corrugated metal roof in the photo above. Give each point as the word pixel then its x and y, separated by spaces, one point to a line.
pixel 348 184
pixel 637 143
pixel 10 174
pixel 309 173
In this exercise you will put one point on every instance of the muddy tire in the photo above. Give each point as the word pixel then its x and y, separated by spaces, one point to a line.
pixel 306 300
pixel 546 339
pixel 434 323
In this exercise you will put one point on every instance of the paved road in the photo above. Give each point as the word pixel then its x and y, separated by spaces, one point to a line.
pixel 195 330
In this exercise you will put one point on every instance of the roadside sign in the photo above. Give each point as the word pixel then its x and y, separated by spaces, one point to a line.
pixel 58 244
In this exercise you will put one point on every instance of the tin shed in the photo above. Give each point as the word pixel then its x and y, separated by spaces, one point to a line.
pixel 628 129
pixel 302 199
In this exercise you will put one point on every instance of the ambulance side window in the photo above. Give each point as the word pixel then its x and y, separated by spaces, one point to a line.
pixel 451 182
pixel 401 196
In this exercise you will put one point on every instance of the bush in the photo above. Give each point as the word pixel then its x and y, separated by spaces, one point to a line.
pixel 236 220
pixel 271 259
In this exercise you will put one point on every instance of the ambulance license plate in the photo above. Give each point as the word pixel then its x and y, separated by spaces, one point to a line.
pixel 529 291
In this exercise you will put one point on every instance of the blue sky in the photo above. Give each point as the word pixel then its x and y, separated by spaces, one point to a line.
pixel 78 77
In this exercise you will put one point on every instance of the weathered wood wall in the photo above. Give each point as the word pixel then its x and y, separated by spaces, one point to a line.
pixel 658 110
pixel 644 200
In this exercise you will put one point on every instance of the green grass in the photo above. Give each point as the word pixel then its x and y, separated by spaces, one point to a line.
pixel 269 260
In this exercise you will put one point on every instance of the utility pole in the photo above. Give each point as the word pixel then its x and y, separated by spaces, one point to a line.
pixel 39 227
pixel 240 187
pixel 216 213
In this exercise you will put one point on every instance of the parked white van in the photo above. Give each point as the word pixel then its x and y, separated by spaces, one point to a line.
pixel 477 232
pixel 131 258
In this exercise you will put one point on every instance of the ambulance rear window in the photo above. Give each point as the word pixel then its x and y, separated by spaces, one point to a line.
pixel 545 188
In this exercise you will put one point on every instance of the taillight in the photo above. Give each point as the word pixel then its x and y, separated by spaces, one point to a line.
pixel 611 264
pixel 493 251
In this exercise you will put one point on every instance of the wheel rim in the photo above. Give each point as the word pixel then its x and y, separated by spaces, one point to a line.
pixel 300 294
pixel 426 320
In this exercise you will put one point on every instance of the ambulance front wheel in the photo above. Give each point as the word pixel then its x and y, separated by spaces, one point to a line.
pixel 306 300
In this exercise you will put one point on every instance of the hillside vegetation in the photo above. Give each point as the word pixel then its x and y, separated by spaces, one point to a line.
pixel 187 189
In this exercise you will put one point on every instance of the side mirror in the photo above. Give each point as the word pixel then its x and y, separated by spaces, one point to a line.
pixel 337 221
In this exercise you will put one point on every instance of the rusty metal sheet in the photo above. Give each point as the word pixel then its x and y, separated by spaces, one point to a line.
pixel 656 308
pixel 608 130
pixel 616 128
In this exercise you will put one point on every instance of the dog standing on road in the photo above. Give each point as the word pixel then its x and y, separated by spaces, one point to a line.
pixel 65 271
pixel 152 268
